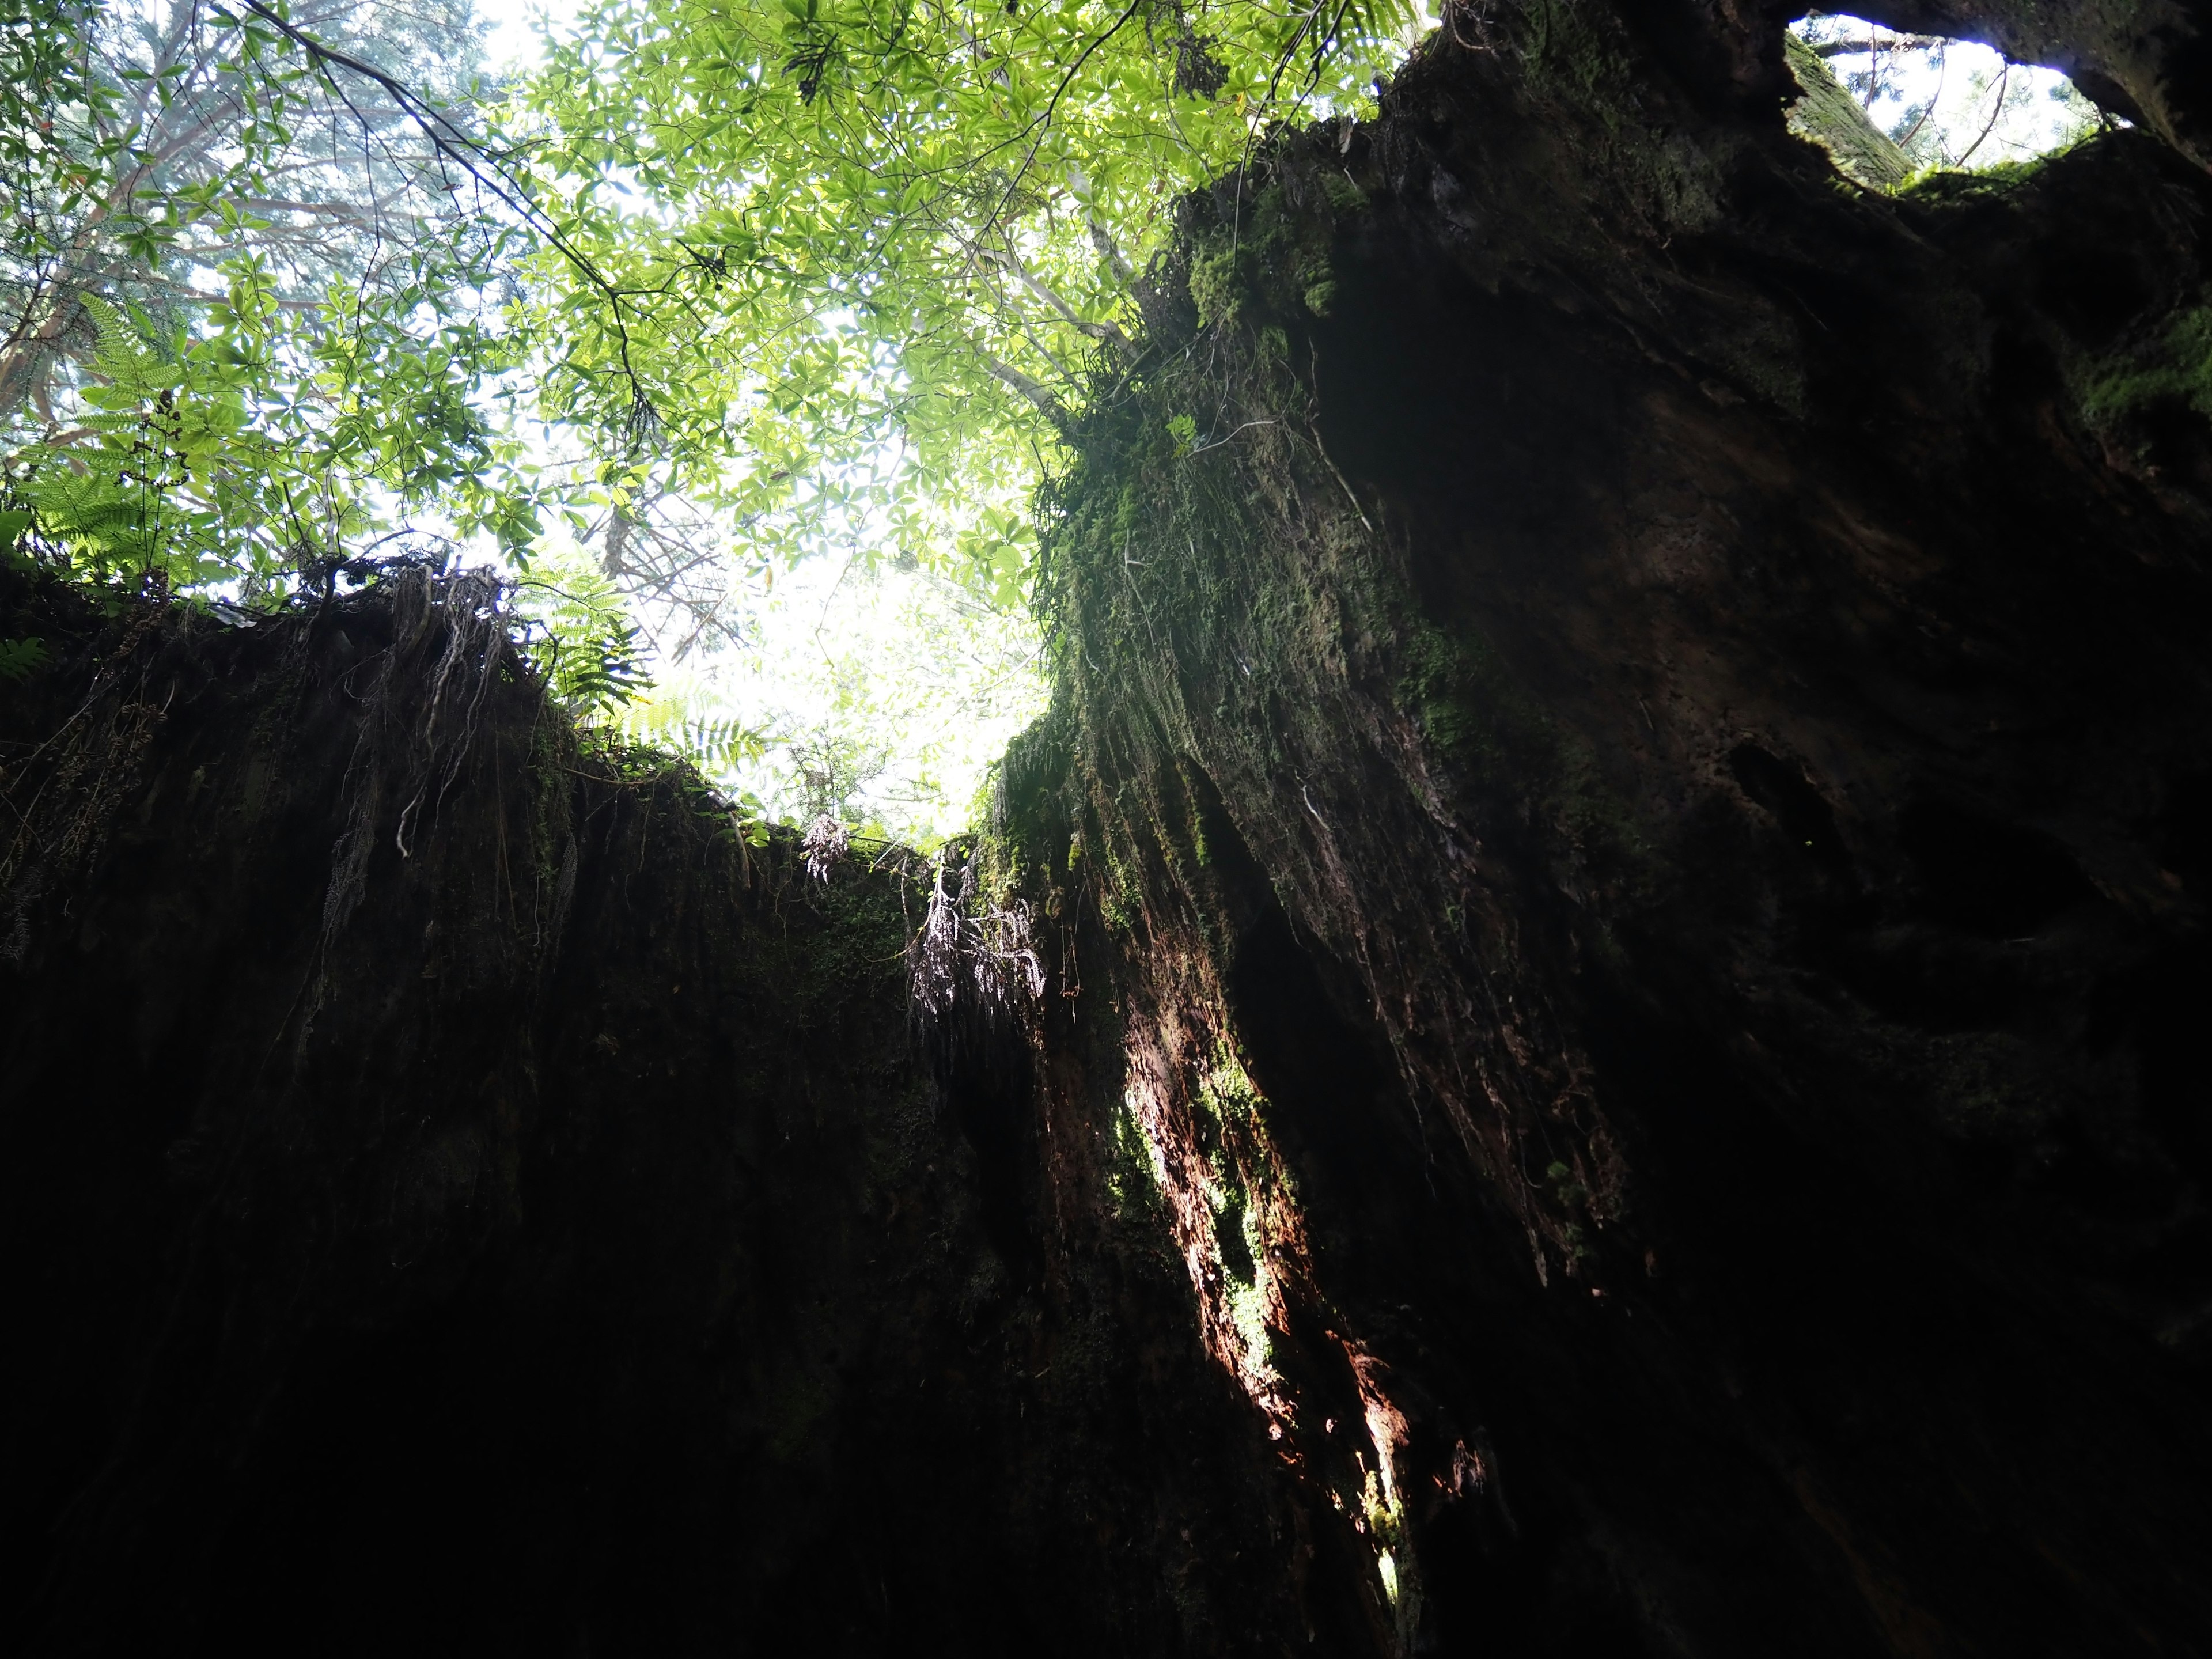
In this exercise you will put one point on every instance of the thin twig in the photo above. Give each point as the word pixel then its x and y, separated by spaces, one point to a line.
pixel 2003 77
pixel 1044 122
pixel 474 158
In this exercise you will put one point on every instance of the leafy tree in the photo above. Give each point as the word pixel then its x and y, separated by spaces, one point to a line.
pixel 825 271
pixel 862 252
pixel 168 142
pixel 245 285
pixel 815 274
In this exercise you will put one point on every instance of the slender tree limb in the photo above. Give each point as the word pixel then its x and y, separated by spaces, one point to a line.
pixel 473 157
pixel 1049 406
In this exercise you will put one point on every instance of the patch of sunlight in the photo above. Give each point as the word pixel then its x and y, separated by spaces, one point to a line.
pixel 1134 1149
pixel 1247 1312
pixel 511 29
pixel 1949 104
pixel 1227 1091
pixel 1385 1521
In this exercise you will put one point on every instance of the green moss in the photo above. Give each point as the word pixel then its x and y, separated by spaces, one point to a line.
pixel 1228 1093
pixel 1233 1210
pixel 2174 369
pixel 1217 284
pixel 1345 195
pixel 1278 255
pixel 1938 186
pixel 1470 708
pixel 1562 53
pixel 1135 1179
pixel 1585 77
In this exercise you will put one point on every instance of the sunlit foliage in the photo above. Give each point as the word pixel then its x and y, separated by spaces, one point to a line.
pixel 250 309
pixel 866 251
pixel 721 286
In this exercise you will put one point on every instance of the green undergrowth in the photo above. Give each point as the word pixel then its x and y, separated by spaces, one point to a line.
pixel 1940 186
pixel 1155 577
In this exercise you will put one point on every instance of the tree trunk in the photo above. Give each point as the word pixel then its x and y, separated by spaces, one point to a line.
pixel 1573 1037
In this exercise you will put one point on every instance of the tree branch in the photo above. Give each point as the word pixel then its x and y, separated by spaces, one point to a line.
pixel 1052 409
pixel 470 155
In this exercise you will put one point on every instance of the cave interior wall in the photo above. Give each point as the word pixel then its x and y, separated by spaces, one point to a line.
pixel 1618 871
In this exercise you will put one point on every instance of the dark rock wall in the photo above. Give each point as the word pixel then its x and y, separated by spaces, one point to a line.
pixel 1662 718
pixel 551 1240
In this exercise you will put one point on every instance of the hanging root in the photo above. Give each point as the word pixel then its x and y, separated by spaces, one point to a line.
pixel 62 795
pixel 825 846
pixel 467 604
pixel 966 968
pixel 418 727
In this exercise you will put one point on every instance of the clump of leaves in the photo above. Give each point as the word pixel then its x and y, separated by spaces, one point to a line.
pixel 867 249
pixel 19 658
pixel 160 427
pixel 229 448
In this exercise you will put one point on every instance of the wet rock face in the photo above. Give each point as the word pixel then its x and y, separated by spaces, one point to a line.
pixel 1877 714
pixel 1874 732
pixel 1859 704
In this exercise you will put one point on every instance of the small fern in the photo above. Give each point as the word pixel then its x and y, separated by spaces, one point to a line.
pixel 720 745
pixel 582 637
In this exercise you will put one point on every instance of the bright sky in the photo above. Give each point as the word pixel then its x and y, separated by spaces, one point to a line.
pixel 1981 114
pixel 512 43
pixel 906 685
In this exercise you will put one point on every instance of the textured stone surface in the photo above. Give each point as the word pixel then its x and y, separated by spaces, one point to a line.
pixel 1618 870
